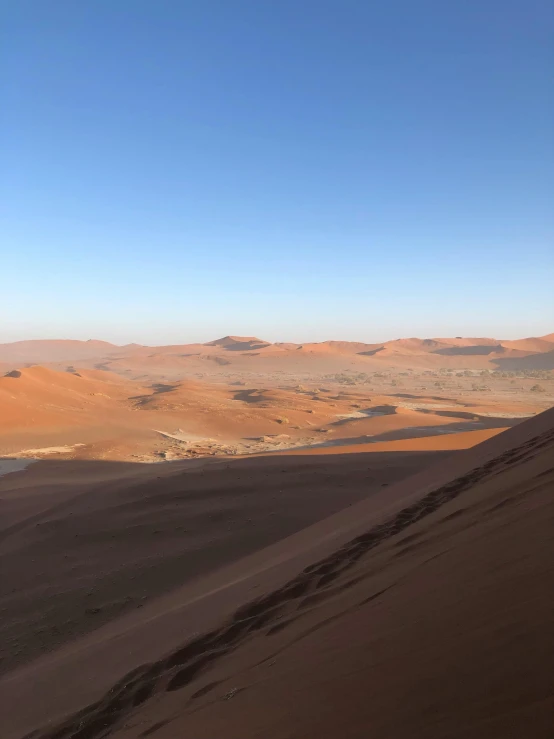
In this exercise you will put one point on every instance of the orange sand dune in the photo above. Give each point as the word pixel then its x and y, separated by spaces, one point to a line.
pixel 38 396
pixel 248 353
pixel 424 607
pixel 531 346
pixel 89 413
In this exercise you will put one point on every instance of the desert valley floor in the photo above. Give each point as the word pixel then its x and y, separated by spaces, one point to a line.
pixel 237 395
pixel 185 527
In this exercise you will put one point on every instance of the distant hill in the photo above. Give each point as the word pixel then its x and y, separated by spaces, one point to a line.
pixel 239 343
pixel 324 356
pixel 54 350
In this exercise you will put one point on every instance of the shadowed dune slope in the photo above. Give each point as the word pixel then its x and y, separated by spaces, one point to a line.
pixel 424 610
pixel 85 542
pixel 543 361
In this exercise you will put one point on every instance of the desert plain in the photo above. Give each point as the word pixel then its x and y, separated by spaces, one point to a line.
pixel 242 538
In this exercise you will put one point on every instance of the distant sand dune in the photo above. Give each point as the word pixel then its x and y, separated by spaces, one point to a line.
pixel 393 353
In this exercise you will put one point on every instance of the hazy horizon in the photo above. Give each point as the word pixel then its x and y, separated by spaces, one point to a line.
pixel 185 339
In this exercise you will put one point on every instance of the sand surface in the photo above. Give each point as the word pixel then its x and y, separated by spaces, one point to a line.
pixel 98 414
pixel 186 536
pixel 84 546
pixel 250 354
pixel 425 606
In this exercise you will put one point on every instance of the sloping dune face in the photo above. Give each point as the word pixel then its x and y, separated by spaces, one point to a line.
pixel 38 396
pixel 434 623
pixel 88 413
pixel 115 536
pixel 423 611
pixel 534 346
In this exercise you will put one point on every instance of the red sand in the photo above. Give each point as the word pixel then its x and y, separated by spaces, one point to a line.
pixel 424 610
pixel 250 353
pixel 94 414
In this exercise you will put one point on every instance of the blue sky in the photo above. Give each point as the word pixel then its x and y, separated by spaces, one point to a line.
pixel 296 169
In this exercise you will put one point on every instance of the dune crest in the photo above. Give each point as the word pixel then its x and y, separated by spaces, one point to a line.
pixel 428 353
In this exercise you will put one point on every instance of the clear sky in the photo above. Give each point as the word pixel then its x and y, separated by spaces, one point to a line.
pixel 177 170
